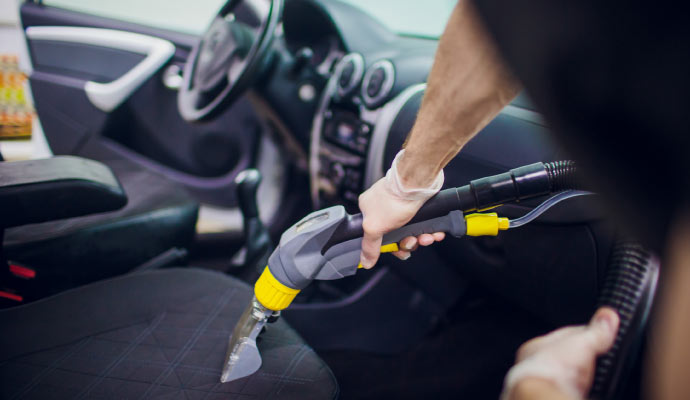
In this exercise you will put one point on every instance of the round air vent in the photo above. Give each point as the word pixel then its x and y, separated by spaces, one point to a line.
pixel 349 73
pixel 377 83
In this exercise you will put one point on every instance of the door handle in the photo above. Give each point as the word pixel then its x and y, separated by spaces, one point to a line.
pixel 108 96
pixel 172 77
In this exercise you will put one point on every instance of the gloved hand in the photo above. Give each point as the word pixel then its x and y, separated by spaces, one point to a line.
pixel 388 205
pixel 565 357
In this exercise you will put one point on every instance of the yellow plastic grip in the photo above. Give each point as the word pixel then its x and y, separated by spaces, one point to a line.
pixel 485 224
pixel 271 293
pixel 389 248
pixel 386 248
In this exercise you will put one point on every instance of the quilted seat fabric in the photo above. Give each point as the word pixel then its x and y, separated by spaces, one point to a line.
pixel 157 335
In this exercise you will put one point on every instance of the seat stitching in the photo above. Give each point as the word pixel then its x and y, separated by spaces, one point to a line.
pixel 223 300
pixel 129 380
pixel 212 389
pixel 202 370
pixel 175 370
pixel 121 357
pixel 305 380
pixel 50 368
pixel 296 359
pixel 224 332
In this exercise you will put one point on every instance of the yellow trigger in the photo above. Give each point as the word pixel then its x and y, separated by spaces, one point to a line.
pixel 386 248
pixel 389 248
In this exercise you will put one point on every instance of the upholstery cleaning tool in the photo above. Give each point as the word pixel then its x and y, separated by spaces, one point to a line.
pixel 326 244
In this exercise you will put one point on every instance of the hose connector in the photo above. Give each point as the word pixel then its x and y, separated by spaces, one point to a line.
pixel 271 293
pixel 485 224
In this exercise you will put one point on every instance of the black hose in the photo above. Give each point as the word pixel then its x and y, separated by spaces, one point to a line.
pixel 562 175
pixel 629 289
pixel 518 184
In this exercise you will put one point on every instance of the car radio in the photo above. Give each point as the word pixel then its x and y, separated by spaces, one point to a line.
pixel 343 128
pixel 346 130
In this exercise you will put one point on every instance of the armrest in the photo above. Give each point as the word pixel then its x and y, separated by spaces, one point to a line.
pixel 55 188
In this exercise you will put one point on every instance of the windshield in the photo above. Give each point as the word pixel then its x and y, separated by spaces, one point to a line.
pixel 409 17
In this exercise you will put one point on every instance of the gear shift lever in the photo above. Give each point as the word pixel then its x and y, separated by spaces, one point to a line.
pixel 258 244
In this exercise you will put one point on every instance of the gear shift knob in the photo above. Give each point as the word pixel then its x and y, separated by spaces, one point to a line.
pixel 247 187
pixel 257 242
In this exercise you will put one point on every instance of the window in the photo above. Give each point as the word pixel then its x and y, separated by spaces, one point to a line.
pixel 409 17
pixel 187 16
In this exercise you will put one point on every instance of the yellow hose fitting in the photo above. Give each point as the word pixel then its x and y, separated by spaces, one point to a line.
pixel 271 293
pixel 485 224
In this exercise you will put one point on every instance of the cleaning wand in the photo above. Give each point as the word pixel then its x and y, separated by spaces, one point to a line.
pixel 326 244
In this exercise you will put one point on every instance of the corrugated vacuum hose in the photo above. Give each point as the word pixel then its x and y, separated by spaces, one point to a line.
pixel 629 287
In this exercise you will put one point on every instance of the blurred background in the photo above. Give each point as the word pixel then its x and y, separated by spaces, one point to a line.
pixel 21 136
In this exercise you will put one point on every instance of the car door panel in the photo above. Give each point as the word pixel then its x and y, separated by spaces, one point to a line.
pixel 101 64
pixel 106 96
pixel 100 91
pixel 34 14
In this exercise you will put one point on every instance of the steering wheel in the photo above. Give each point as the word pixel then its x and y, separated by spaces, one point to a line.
pixel 228 57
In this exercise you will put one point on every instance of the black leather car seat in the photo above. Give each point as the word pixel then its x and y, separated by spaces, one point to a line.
pixel 158 334
pixel 159 215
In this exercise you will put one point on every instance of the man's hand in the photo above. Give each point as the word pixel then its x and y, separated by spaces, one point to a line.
pixel 467 87
pixel 383 212
pixel 565 358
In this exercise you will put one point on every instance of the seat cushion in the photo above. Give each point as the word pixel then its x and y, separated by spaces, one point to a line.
pixel 158 334
pixel 159 215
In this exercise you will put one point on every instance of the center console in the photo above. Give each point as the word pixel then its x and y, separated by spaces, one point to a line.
pixel 350 129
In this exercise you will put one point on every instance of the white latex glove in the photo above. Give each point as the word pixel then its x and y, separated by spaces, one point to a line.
pixel 566 357
pixel 388 205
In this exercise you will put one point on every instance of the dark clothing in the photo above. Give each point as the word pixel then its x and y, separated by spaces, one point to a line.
pixel 613 80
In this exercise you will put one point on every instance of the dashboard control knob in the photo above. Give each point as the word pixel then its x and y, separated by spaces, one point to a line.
pixel 326 187
pixel 337 173
pixel 377 83
pixel 348 73
pixel 306 92
pixel 302 58
pixel 353 179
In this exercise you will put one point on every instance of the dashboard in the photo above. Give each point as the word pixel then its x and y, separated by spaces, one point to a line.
pixel 350 128
pixel 367 69
pixel 373 85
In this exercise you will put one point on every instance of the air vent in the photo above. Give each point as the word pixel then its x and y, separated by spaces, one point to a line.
pixel 377 83
pixel 349 73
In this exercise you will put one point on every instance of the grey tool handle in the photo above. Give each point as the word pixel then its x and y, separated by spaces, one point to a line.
pixel 326 244
pixel 342 259
pixel 453 223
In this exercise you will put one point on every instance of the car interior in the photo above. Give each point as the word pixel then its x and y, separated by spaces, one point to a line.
pixel 276 109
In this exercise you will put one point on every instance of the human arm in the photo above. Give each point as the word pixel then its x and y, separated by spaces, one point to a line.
pixel 538 389
pixel 560 365
pixel 467 87
pixel 668 359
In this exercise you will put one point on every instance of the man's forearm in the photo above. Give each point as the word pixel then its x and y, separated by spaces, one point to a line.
pixel 537 389
pixel 467 87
